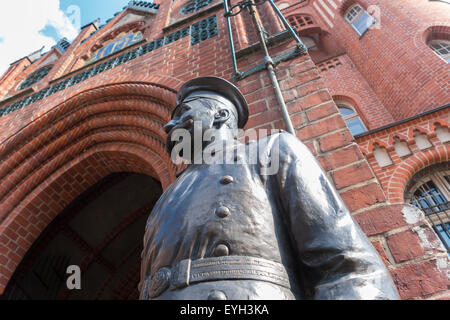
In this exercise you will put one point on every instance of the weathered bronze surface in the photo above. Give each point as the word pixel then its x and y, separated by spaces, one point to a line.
pixel 231 231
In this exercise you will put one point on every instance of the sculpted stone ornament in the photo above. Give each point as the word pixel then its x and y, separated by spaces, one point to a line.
pixel 241 231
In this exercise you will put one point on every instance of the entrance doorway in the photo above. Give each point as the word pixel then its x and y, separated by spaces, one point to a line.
pixel 101 232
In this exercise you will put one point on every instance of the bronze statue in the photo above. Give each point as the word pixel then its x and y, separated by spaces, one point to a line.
pixel 233 231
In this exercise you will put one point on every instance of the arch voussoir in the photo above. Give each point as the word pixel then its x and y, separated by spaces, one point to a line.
pixel 24 225
pixel 405 171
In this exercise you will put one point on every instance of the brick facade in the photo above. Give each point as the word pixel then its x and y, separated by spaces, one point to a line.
pixel 56 147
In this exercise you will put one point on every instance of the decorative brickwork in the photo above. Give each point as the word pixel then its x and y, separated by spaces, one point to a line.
pixel 201 31
pixel 299 21
pixel 329 64
pixel 395 177
pixel 195 5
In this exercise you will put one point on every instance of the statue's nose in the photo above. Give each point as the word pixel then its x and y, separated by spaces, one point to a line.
pixel 169 126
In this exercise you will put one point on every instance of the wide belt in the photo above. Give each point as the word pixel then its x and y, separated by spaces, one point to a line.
pixel 188 272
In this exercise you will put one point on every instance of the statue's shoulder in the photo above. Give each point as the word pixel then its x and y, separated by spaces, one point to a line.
pixel 283 140
pixel 285 147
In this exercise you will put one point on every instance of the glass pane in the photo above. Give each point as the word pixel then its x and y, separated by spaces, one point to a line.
pixel 355 125
pixel 346 111
pixel 429 198
pixel 435 45
pixel 441 47
pixel 353 13
pixel 445 233
pixel 363 23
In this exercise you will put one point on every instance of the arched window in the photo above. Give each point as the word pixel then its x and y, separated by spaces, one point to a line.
pixel 359 19
pixel 441 47
pixel 351 118
pixel 429 190
pixel 35 77
pixel 299 21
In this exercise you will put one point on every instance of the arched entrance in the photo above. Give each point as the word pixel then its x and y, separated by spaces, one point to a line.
pixel 62 153
pixel 101 232
pixel 429 190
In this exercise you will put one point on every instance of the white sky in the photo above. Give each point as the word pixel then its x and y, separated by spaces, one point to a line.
pixel 21 22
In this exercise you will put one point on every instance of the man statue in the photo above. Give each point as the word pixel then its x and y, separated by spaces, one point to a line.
pixel 234 231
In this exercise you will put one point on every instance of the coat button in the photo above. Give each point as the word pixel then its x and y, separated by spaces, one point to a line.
pixel 227 180
pixel 223 212
pixel 221 251
pixel 217 295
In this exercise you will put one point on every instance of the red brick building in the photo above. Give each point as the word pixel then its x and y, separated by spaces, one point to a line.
pixel 82 146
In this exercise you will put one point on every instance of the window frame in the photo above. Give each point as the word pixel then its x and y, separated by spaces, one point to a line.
pixel 300 21
pixel 35 77
pixel 445 57
pixel 345 105
pixel 439 219
pixel 193 6
pixel 352 21
pixel 361 10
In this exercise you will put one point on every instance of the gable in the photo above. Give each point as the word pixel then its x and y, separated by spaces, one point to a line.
pixel 50 59
pixel 129 18
pixel 121 41
pixel 125 32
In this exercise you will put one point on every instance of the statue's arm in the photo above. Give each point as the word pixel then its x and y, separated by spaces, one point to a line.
pixel 331 248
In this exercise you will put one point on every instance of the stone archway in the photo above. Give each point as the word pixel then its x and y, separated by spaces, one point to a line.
pixel 59 155
pixel 404 172
pixel 101 232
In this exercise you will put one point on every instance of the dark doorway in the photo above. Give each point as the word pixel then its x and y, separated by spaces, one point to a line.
pixel 101 232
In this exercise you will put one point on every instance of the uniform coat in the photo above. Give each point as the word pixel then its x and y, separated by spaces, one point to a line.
pixel 293 217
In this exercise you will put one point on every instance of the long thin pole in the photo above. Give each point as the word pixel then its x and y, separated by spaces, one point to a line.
pixel 286 24
pixel 230 38
pixel 272 75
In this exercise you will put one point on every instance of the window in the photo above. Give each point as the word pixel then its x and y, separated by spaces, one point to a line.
pixel 443 230
pixel 299 21
pixel 195 6
pixel 441 47
pixel 429 197
pixel 359 19
pixel 35 77
pixel 332 63
pixel 121 42
pixel 352 119
pixel 429 190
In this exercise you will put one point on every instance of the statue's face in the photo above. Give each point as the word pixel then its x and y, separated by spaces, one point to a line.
pixel 192 110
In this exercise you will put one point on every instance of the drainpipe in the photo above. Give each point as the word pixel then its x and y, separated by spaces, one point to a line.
pixel 270 69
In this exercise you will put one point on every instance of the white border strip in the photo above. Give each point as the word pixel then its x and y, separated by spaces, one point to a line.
pixel 326 8
pixel 316 6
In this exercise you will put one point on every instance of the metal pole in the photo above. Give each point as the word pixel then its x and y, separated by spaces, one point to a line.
pixel 300 44
pixel 273 77
pixel 230 38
